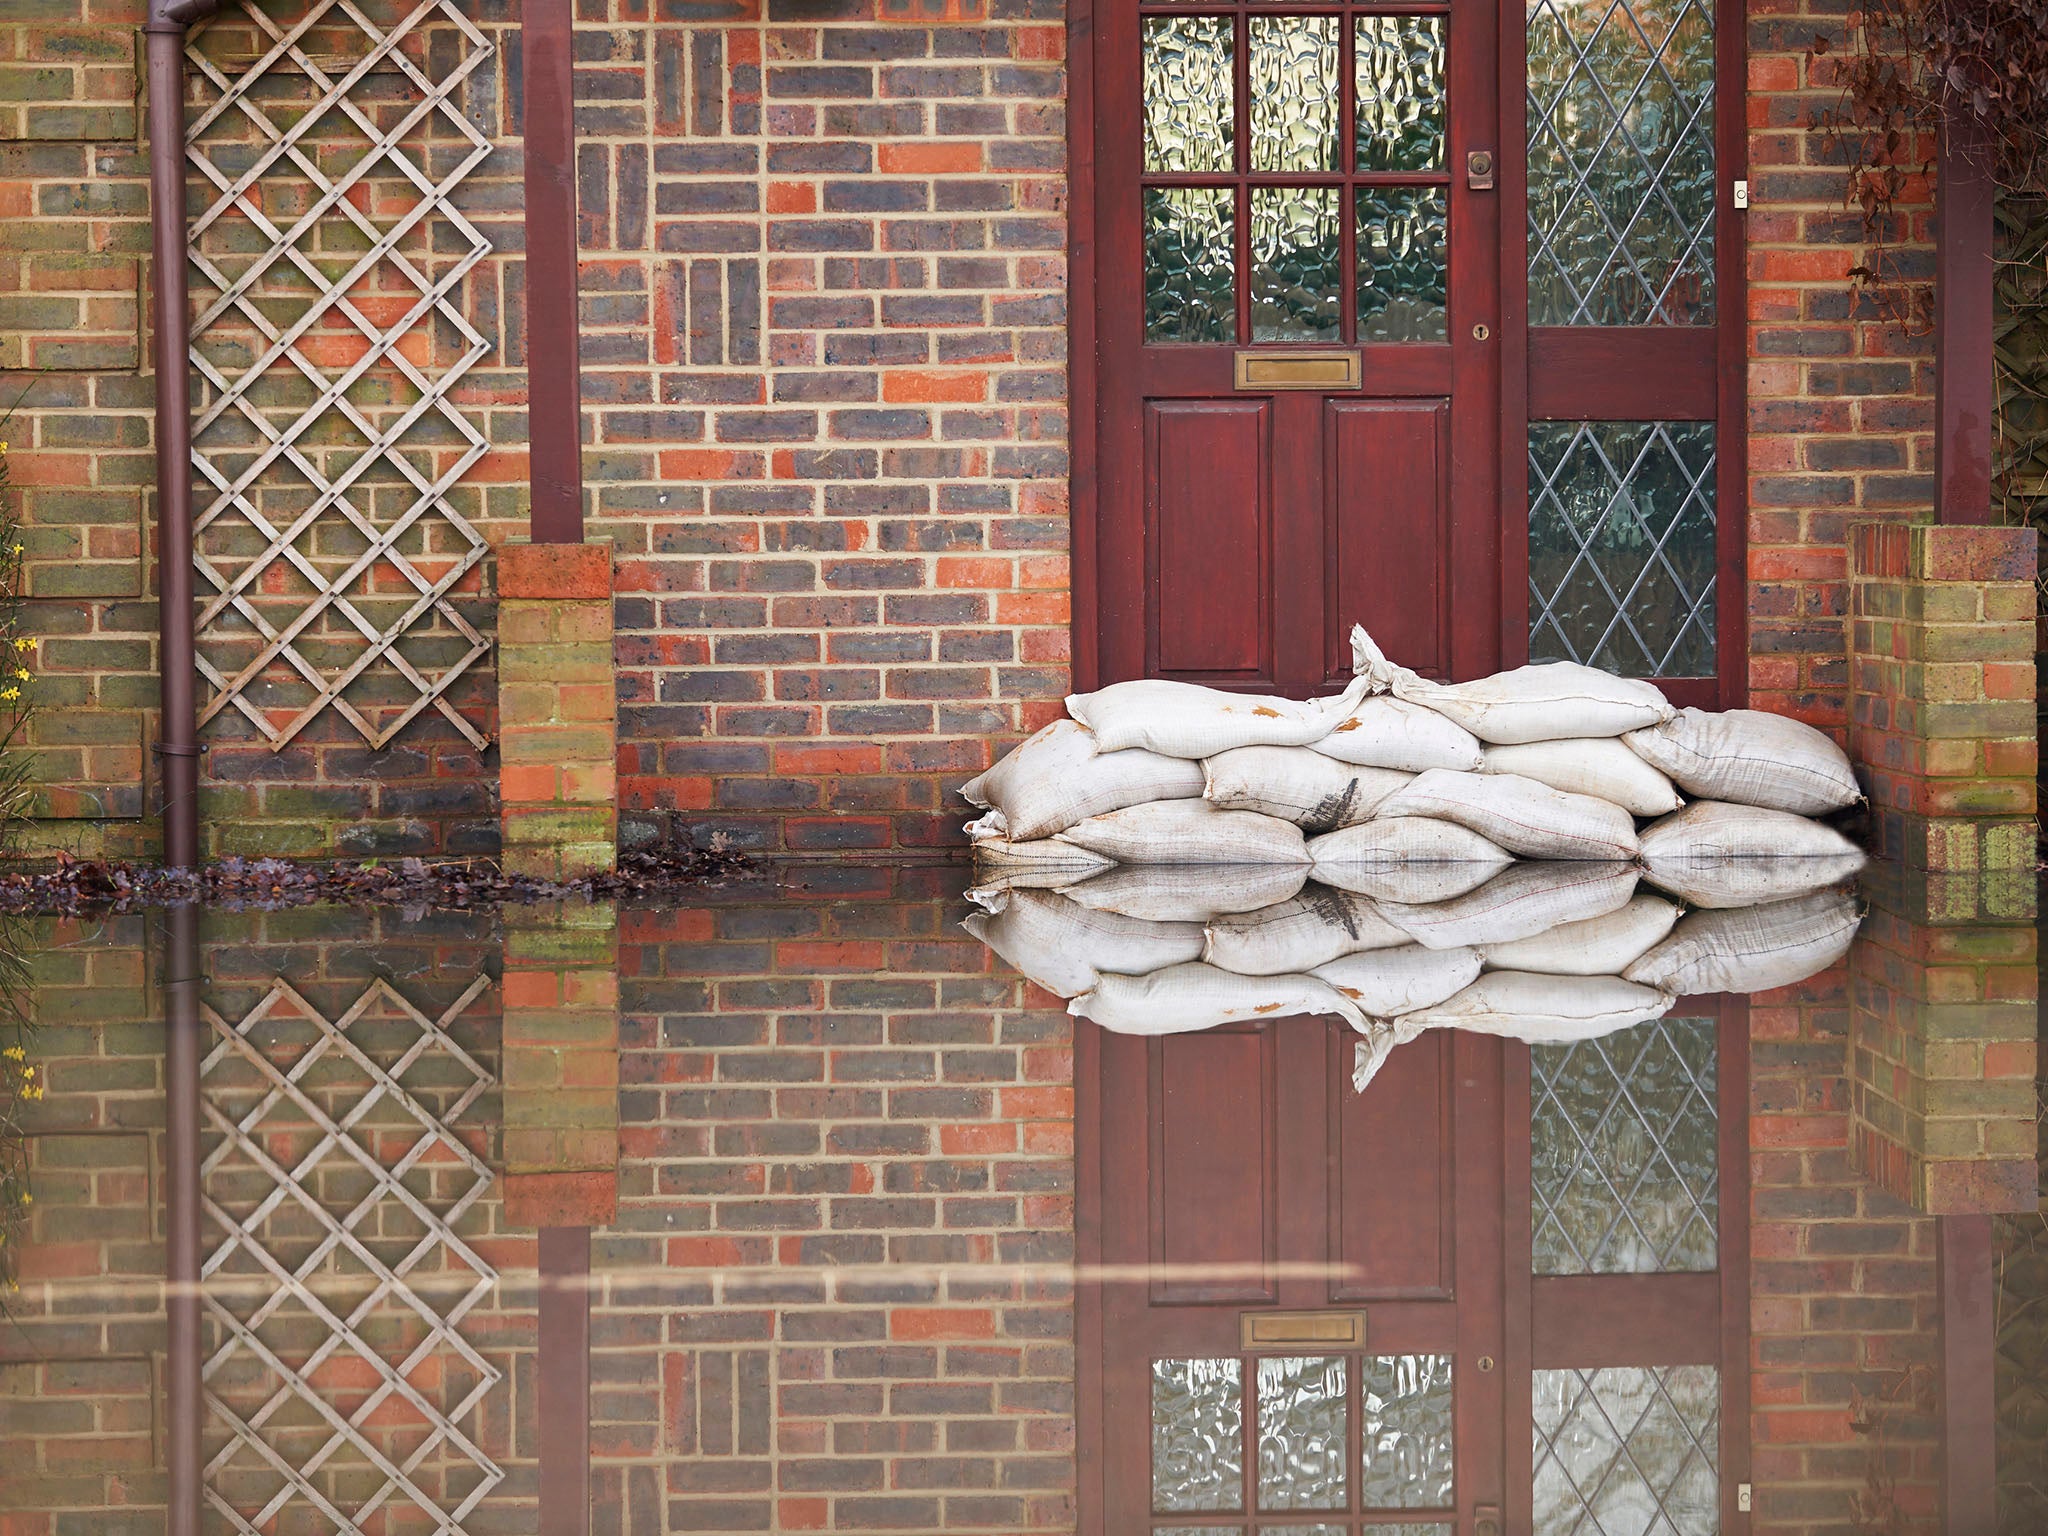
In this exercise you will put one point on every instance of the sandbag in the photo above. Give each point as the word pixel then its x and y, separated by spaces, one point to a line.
pixel 1518 814
pixel 1407 840
pixel 1751 949
pixel 1317 926
pixel 1385 982
pixel 1600 766
pixel 1386 732
pixel 1065 948
pixel 1714 829
pixel 1192 893
pixel 1196 996
pixel 1189 832
pixel 1522 1005
pixel 1546 702
pixel 1592 946
pixel 1188 720
pixel 1518 903
pixel 1059 777
pixel 1750 758
pixel 1416 885
pixel 1041 864
pixel 1727 883
pixel 1297 784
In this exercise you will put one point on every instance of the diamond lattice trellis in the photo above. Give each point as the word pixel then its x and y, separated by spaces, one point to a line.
pixel 338 1288
pixel 328 267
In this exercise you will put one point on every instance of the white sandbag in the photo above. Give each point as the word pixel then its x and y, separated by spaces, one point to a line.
pixel 1714 829
pixel 1413 840
pixel 1386 732
pixel 1727 883
pixel 1318 925
pixel 1189 832
pixel 1059 777
pixel 1415 884
pixel 1041 864
pixel 1547 702
pixel 1064 947
pixel 1189 893
pixel 1522 1005
pixel 1188 720
pixel 1600 766
pixel 1385 982
pixel 1752 949
pixel 1751 758
pixel 1518 814
pixel 1297 784
pixel 1196 996
pixel 1518 903
pixel 1592 946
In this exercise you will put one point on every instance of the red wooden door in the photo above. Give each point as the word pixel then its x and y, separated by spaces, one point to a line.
pixel 1297 267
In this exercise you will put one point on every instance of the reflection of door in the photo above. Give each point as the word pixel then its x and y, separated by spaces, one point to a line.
pixel 1494 1293
pixel 1297 330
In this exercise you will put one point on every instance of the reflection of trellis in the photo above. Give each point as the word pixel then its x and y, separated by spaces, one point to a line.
pixel 291 437
pixel 340 1284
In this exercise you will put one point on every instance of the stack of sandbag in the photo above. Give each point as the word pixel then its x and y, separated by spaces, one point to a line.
pixel 1411 854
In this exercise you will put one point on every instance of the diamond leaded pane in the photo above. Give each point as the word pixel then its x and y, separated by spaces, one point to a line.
pixel 1627 1451
pixel 1621 545
pixel 1624 1133
pixel 1621 162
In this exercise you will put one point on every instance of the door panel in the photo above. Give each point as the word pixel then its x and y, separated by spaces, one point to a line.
pixel 1214 1177
pixel 1211 508
pixel 1387 521
pixel 1391 1213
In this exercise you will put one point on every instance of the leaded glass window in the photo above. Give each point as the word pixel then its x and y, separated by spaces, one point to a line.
pixel 1627 1450
pixel 1621 162
pixel 1622 546
pixel 1624 1133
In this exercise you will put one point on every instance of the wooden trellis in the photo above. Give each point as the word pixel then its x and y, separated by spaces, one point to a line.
pixel 279 400
pixel 351 1271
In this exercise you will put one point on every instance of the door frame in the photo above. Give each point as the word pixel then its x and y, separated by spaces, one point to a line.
pixel 1731 145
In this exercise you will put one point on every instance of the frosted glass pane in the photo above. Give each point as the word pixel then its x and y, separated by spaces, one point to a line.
pixel 1189 93
pixel 1401 264
pixel 1407 1423
pixel 1197 1434
pixel 1189 265
pixel 1295 91
pixel 1297 257
pixel 1301 1432
pixel 1630 1448
pixel 1398 62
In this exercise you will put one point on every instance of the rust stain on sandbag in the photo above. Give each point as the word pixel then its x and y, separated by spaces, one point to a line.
pixel 1350 724
pixel 1270 714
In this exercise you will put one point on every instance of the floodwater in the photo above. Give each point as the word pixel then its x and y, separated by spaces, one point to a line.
pixel 797 1208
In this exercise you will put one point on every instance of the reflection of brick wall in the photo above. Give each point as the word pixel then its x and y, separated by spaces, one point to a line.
pixel 846 1143
pixel 1842 1286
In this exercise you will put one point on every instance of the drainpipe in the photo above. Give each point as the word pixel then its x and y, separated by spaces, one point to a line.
pixel 176 657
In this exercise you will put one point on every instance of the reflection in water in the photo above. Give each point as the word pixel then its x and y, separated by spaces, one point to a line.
pixel 827 1140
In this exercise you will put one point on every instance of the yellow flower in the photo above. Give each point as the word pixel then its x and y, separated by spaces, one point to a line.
pixel 19 548
pixel 10 693
pixel 14 1053
pixel 24 644
pixel 22 673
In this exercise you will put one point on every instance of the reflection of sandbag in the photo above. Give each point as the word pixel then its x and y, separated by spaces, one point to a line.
pixel 1384 982
pixel 1593 946
pixel 1197 996
pixel 1600 766
pixel 1518 903
pixel 1041 864
pixel 1751 758
pixel 1191 893
pixel 1415 884
pixel 1296 784
pixel 1189 832
pixel 1523 1005
pixel 1386 732
pixel 1188 720
pixel 1718 883
pixel 1714 854
pixel 1519 814
pixel 1318 925
pixel 1546 702
pixel 1751 949
pixel 1058 777
pixel 1404 840
pixel 1064 947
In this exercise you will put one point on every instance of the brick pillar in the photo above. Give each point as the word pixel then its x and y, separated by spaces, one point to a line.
pixel 557 710
pixel 1944 998
pixel 1941 692
pixel 561 1065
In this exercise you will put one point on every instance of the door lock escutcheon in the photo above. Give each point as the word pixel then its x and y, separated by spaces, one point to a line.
pixel 1479 170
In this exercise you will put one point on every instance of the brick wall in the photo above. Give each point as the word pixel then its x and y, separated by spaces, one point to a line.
pixel 1840 393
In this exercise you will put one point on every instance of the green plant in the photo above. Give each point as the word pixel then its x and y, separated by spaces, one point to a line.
pixel 17 659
